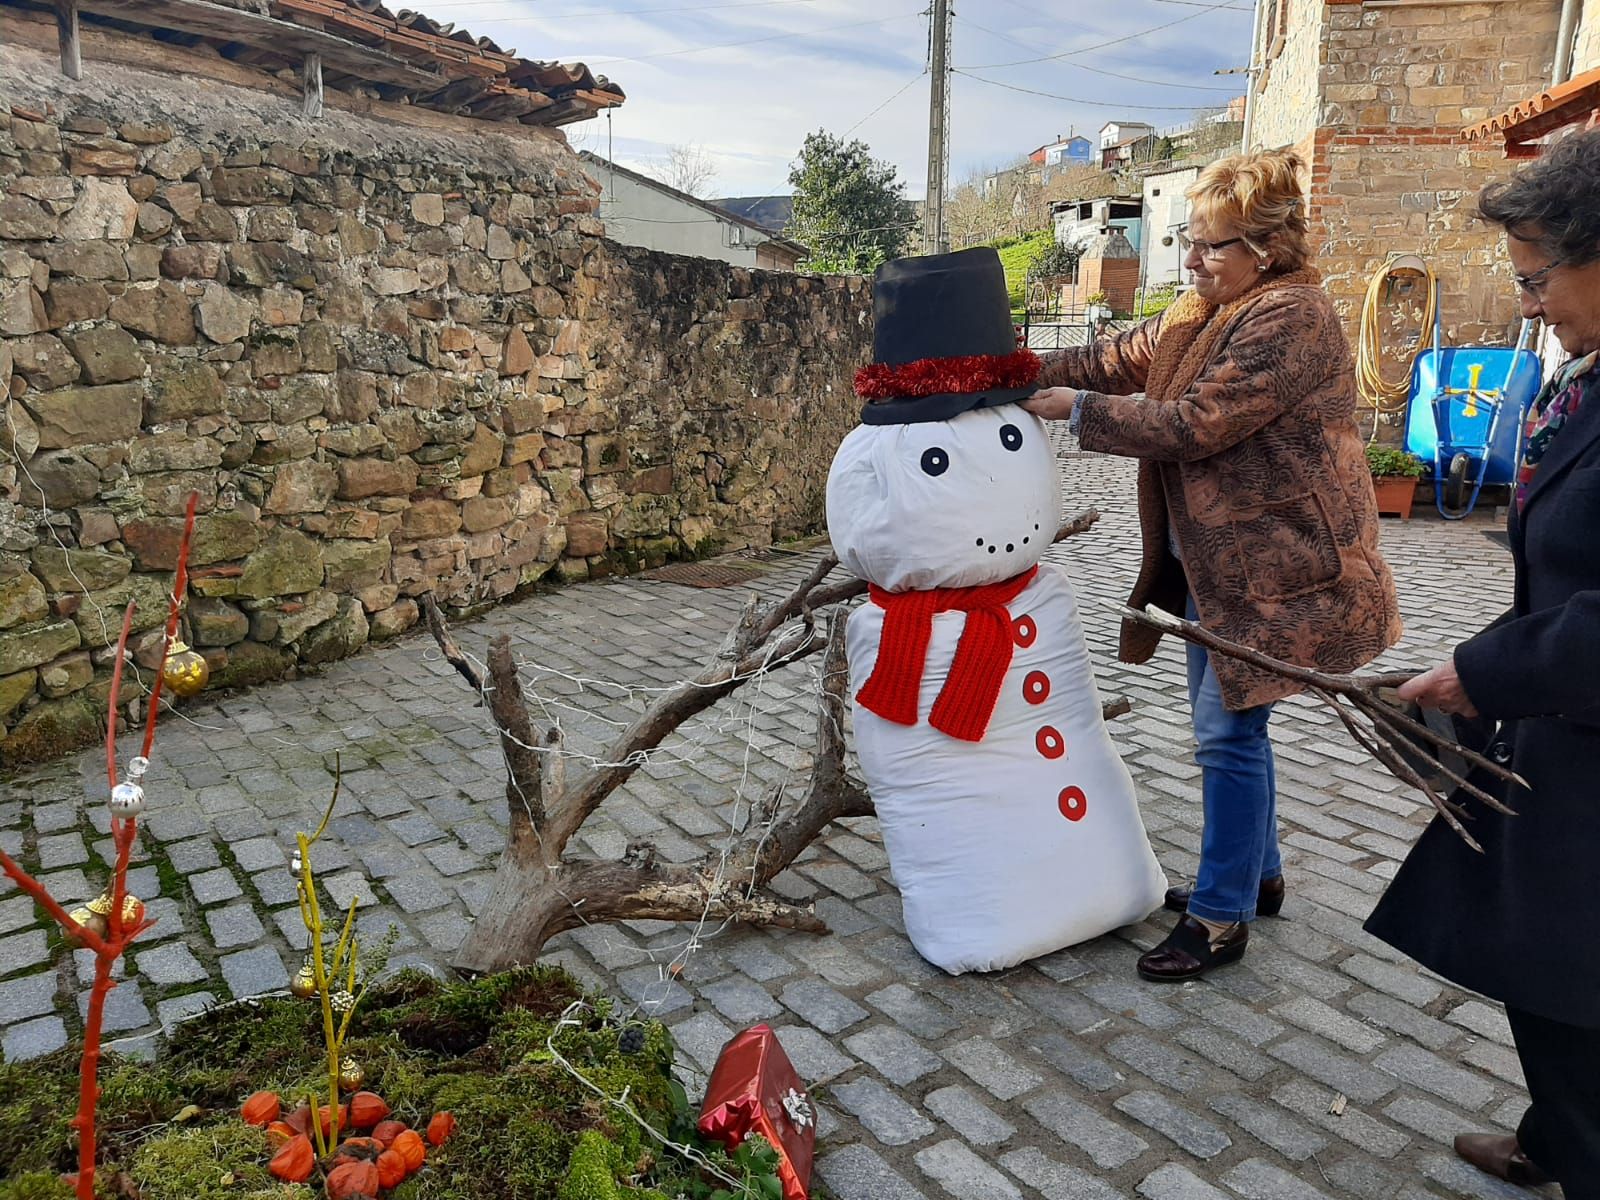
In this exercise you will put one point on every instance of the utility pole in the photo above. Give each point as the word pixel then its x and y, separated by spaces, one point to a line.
pixel 936 237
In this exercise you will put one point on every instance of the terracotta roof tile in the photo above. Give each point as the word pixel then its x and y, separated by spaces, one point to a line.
pixel 1540 114
pixel 401 54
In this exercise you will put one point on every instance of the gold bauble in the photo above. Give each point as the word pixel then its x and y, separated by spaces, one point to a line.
pixel 351 1075
pixel 89 919
pixel 100 906
pixel 185 671
pixel 304 983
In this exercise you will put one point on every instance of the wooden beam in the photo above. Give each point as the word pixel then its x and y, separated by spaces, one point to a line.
pixel 246 28
pixel 67 35
pixel 311 84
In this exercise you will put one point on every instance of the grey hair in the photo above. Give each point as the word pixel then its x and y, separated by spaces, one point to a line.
pixel 1555 202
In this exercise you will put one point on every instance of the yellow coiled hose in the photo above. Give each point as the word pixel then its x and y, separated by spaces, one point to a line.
pixel 1380 394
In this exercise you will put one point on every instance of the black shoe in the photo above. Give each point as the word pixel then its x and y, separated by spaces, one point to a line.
pixel 1269 900
pixel 1502 1157
pixel 1188 953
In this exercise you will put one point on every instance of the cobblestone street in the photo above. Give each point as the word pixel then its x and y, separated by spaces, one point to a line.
pixel 1323 1065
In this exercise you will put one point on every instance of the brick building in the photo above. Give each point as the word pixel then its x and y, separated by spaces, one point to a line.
pixel 1375 95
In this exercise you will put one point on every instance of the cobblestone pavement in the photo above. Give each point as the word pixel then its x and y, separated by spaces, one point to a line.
pixel 1067 1077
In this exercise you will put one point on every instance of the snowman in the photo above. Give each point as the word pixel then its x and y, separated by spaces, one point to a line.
pixel 1009 819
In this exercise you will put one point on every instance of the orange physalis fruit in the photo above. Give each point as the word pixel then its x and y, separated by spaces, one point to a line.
pixel 387 1131
pixel 358 1150
pixel 440 1128
pixel 410 1147
pixel 299 1120
pixel 391 1169
pixel 353 1179
pixel 294 1160
pixel 280 1132
pixel 330 1120
pixel 366 1110
pixel 261 1109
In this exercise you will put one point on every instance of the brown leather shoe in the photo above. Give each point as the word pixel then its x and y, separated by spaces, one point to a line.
pixel 1188 954
pixel 1501 1156
pixel 1269 900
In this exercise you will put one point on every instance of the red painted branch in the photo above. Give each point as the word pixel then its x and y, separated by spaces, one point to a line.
pixel 180 585
pixel 48 902
pixel 88 1071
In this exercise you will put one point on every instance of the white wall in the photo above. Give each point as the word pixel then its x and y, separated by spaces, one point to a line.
pixel 1165 208
pixel 636 214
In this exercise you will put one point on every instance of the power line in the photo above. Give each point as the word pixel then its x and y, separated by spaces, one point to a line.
pixel 1077 99
pixel 1101 45
pixel 1198 87
pixel 773 37
pixel 905 87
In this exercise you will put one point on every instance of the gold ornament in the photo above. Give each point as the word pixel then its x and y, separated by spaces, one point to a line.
pixel 351 1075
pixel 304 983
pixel 185 671
pixel 89 919
pixel 100 906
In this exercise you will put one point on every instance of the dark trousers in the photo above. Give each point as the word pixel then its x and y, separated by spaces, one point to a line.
pixel 1561 1129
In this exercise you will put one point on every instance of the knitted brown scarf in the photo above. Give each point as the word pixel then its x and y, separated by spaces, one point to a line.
pixel 1192 328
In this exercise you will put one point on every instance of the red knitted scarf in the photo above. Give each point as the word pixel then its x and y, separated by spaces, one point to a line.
pixel 983 655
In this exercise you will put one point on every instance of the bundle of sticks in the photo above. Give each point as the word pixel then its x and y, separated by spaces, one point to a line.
pixel 1379 726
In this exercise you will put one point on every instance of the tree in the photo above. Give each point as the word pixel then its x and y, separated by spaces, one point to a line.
pixel 689 169
pixel 848 207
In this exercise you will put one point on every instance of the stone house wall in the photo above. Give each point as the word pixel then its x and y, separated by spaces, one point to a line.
pixel 1390 171
pixel 393 355
pixel 1586 49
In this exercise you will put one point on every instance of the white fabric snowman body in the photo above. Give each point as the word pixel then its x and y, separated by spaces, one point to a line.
pixel 1016 835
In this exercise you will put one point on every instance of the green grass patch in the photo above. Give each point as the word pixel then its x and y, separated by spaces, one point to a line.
pixel 490 1051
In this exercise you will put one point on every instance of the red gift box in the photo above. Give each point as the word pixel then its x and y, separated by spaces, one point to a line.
pixel 754 1088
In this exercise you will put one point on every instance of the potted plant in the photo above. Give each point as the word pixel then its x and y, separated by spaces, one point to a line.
pixel 1394 478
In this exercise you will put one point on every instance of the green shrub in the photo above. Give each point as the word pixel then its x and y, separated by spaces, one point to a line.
pixel 489 1051
pixel 1388 462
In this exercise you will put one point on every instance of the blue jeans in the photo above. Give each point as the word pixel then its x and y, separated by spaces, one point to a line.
pixel 1239 843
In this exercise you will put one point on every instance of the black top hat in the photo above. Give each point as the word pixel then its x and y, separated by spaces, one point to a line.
pixel 942 341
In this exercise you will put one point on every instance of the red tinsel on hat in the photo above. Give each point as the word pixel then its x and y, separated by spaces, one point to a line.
pixel 938 376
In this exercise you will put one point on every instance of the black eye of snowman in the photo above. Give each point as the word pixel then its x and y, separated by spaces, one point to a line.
pixel 1011 437
pixel 935 461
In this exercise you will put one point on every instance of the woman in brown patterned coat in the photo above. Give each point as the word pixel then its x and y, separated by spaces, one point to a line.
pixel 1256 509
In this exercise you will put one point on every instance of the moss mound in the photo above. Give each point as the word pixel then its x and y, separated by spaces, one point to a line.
pixel 499 1053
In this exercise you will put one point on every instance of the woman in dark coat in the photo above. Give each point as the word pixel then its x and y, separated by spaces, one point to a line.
pixel 1518 922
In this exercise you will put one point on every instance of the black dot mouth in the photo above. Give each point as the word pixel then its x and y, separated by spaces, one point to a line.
pixel 980 541
pixel 1009 547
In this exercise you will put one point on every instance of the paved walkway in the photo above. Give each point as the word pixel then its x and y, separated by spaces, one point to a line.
pixel 1322 1065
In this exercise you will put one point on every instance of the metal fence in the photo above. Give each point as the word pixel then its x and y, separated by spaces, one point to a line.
pixel 1067 334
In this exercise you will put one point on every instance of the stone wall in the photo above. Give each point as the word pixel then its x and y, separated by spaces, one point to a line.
pixel 1286 102
pixel 392 354
pixel 1390 171
pixel 1586 50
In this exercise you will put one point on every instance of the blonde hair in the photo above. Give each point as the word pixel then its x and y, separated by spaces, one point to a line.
pixel 1259 195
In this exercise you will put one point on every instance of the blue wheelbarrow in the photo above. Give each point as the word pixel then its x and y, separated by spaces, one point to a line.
pixel 1465 415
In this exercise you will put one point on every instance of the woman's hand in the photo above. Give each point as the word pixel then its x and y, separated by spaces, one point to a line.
pixel 1053 404
pixel 1440 688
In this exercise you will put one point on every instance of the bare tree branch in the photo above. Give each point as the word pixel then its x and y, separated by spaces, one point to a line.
pixel 1394 733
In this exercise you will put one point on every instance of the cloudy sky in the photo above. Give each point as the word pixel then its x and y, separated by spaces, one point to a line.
pixel 745 81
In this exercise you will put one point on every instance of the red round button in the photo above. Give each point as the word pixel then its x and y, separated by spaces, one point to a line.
pixel 1073 803
pixel 1023 631
pixel 1049 742
pixel 1036 687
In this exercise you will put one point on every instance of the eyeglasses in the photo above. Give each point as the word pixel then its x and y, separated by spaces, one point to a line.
pixel 1536 283
pixel 1211 250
